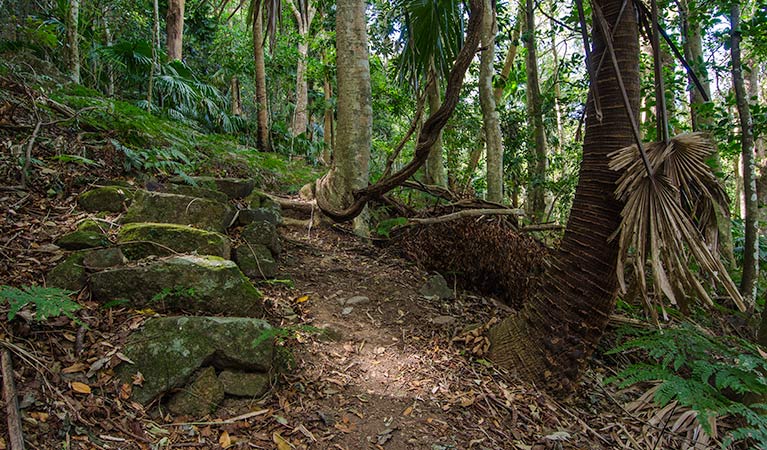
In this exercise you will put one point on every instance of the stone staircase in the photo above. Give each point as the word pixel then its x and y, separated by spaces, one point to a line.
pixel 171 253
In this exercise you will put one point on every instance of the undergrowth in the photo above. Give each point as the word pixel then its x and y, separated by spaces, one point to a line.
pixel 712 375
pixel 47 302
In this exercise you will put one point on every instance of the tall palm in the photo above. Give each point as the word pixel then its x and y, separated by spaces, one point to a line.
pixel 560 326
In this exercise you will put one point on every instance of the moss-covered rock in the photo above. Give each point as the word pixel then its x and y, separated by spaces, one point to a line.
pixel 200 397
pixel 196 191
pixel 256 261
pixel 140 240
pixel 167 351
pixel 69 274
pixel 232 187
pixel 104 258
pixel 244 384
pixel 199 284
pixel 81 240
pixel 263 233
pixel 248 216
pixel 106 198
pixel 179 209
pixel 92 226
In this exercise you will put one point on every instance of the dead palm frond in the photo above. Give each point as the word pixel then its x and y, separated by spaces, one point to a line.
pixel 670 217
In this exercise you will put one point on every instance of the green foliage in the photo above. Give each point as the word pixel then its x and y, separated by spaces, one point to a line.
pixel 48 302
pixel 704 373
pixel 739 241
pixel 385 226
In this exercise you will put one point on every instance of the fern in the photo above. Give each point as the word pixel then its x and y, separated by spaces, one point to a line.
pixel 698 370
pixel 48 302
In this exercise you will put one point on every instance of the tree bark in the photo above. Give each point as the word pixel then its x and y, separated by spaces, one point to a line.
pixel 234 87
pixel 327 136
pixel 555 333
pixel 536 201
pixel 304 19
pixel 692 41
pixel 174 28
pixel 750 277
pixel 73 41
pixel 759 146
pixel 110 69
pixel 355 112
pixel 435 169
pixel 492 125
pixel 262 103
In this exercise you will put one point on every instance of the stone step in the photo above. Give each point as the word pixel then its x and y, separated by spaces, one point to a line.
pixel 159 207
pixel 168 351
pixel 194 284
pixel 232 187
pixel 140 240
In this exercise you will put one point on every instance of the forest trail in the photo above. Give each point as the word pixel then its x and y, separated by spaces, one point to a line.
pixel 385 374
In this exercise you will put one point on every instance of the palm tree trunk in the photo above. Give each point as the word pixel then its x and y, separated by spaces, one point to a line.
pixel 174 28
pixel 262 103
pixel 435 170
pixel 73 41
pixel 555 333
pixel 355 111
pixel 492 126
pixel 751 247
pixel 537 190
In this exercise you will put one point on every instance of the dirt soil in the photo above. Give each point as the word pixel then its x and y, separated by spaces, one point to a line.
pixel 386 374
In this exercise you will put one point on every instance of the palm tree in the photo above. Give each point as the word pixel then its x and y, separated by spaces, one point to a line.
pixel 560 326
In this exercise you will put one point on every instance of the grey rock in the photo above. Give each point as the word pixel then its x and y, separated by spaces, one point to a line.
pixel 159 207
pixel 104 259
pixel 81 240
pixel 232 187
pixel 195 191
pixel 244 384
pixel 107 198
pixel 162 239
pixel 168 351
pixel 201 284
pixel 200 398
pixel 247 216
pixel 69 274
pixel 356 300
pixel 255 261
pixel 346 311
pixel 443 320
pixel 263 233
pixel 436 286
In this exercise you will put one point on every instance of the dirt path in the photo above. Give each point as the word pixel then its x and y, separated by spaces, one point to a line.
pixel 385 375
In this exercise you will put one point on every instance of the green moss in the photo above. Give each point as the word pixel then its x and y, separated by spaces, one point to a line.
pixel 91 226
pixel 162 239
pixel 81 240
pixel 69 274
pixel 107 198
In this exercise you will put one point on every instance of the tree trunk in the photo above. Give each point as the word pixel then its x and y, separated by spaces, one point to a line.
pixel 234 87
pixel 355 112
pixel 262 103
pixel 555 333
pixel 327 136
pixel 492 126
pixel 508 63
pixel 536 201
pixel 692 41
pixel 174 28
pixel 435 170
pixel 556 87
pixel 304 18
pixel 751 247
pixel 110 69
pixel 759 146
pixel 73 44
pixel 155 45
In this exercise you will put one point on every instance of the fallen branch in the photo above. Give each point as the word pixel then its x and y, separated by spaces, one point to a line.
pixel 15 435
pixel 543 227
pixel 466 213
pixel 296 205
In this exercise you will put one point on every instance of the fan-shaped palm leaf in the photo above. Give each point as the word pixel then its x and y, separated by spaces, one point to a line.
pixel 670 217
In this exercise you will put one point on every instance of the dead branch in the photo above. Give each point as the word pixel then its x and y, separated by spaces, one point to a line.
pixel 28 154
pixel 466 213
pixel 295 205
pixel 16 437
pixel 543 227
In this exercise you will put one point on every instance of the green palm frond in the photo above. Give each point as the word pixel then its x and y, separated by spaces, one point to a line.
pixel 669 219
pixel 431 30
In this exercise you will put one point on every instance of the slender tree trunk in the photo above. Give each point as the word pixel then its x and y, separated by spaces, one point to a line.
pixel 435 169
pixel 262 103
pixel 536 201
pixel 73 41
pixel 759 146
pixel 304 19
pixel 751 247
pixel 355 112
pixel 492 125
pixel 555 333
pixel 234 87
pixel 110 70
pixel 155 46
pixel 328 123
pixel 557 91
pixel 174 28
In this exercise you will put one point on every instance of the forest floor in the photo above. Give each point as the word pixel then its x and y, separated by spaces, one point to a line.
pixel 385 374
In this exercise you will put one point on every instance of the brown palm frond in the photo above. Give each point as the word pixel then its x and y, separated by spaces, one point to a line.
pixel 670 218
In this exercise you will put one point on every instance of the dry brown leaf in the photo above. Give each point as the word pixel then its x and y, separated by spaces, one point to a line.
pixel 407 411
pixel 74 368
pixel 302 299
pixel 225 440
pixel 282 444
pixel 80 388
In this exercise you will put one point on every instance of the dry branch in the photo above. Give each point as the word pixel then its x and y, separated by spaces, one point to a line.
pixel 466 213
pixel 15 435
